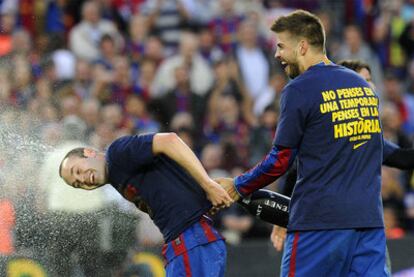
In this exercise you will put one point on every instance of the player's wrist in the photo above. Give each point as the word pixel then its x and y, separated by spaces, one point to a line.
pixel 237 184
pixel 208 184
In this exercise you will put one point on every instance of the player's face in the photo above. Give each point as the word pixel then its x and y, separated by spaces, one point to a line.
pixel 367 76
pixel 286 53
pixel 85 173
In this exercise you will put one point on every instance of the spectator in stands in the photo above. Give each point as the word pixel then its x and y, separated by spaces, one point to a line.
pixel 392 126
pixel 139 120
pixel 137 37
pixel 83 79
pixel 22 43
pixel 115 86
pixel 228 81
pixel 63 59
pixel 90 114
pixel 127 8
pixel 107 53
pixel 48 113
pixel 146 75
pixel 167 19
pixel 69 104
pixel 392 191
pixel 261 136
pixel 181 98
pixel 227 126
pixel 43 90
pixel 394 92
pixel 271 93
pixel 201 11
pixel 84 38
pixel 22 83
pixel 154 50
pixel 103 135
pixel 388 27
pixel 208 49
pixel 212 159
pixel 357 49
pixel 225 25
pixel 112 114
pixel 253 60
pixel 58 20
pixel 201 76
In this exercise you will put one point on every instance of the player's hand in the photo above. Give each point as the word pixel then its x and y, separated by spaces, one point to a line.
pixel 278 237
pixel 218 195
pixel 213 211
pixel 228 185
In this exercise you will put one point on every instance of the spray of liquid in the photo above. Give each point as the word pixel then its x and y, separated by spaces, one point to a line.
pixel 62 244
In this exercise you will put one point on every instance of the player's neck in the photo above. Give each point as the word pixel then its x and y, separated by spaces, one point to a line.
pixel 312 60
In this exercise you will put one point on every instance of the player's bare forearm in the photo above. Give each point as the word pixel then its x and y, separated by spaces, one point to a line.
pixel 173 147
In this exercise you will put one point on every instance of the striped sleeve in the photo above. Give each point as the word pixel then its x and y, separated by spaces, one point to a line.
pixel 274 165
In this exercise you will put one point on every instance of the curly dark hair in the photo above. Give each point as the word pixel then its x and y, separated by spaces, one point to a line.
pixel 355 65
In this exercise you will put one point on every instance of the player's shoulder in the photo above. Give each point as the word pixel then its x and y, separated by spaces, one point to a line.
pixel 124 141
pixel 323 71
pixel 317 77
pixel 120 141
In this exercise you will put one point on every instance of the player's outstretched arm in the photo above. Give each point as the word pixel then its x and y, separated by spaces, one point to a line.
pixel 401 159
pixel 274 165
pixel 173 147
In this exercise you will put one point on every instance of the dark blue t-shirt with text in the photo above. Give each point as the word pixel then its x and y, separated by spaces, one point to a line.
pixel 175 199
pixel 329 114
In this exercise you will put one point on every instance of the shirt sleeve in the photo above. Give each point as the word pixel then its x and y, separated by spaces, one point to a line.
pixel 131 152
pixel 294 108
pixel 289 133
pixel 274 165
pixel 397 157
pixel 388 149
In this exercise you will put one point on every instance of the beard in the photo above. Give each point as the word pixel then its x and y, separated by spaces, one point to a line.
pixel 292 70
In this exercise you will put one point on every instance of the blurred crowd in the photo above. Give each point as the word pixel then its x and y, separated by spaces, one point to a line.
pixel 85 72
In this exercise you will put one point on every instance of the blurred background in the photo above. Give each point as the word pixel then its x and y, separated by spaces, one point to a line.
pixel 87 72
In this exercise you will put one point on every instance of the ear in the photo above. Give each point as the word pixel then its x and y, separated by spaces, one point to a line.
pixel 89 153
pixel 303 47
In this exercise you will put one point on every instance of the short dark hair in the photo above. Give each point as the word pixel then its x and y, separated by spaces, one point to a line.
pixel 78 152
pixel 106 37
pixel 304 24
pixel 355 65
